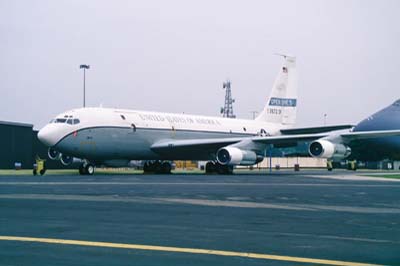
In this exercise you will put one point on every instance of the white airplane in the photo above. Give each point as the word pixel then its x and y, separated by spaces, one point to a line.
pixel 113 137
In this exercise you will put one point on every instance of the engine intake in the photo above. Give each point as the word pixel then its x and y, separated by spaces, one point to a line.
pixel 236 156
pixel 53 154
pixel 329 150
pixel 66 159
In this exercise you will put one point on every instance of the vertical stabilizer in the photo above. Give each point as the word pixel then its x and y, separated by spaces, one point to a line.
pixel 282 102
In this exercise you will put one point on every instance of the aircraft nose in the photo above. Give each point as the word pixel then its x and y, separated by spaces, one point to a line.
pixel 48 136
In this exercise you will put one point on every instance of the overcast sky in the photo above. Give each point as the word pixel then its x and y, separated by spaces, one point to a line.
pixel 173 56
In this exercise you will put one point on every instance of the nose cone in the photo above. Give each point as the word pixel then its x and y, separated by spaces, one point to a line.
pixel 48 135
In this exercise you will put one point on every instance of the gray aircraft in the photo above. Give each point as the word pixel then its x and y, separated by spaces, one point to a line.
pixel 336 148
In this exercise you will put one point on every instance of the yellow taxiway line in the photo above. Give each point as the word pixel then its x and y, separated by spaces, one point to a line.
pixel 182 250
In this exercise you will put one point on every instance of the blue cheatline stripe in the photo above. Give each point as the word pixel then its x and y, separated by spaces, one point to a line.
pixel 282 102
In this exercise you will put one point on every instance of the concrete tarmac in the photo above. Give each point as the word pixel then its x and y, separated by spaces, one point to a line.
pixel 286 218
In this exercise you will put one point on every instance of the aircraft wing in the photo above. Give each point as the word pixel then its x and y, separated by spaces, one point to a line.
pixel 215 143
pixel 313 130
pixel 177 145
pixel 282 139
pixel 356 135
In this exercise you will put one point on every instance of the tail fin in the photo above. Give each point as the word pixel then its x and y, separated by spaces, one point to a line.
pixel 282 102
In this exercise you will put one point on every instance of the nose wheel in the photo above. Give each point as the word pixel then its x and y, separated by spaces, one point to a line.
pixel 86 169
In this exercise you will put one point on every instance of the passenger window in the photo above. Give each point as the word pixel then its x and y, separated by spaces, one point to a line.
pixel 133 127
pixel 123 117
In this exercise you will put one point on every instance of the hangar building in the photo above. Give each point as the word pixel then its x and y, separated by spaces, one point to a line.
pixel 20 147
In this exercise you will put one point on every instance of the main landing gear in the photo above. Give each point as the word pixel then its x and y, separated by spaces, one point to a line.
pixel 351 165
pixel 217 168
pixel 86 169
pixel 157 167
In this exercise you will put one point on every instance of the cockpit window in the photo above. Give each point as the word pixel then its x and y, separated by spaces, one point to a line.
pixel 69 121
pixel 60 120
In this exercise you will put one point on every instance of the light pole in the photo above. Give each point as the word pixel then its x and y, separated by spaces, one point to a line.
pixel 84 80
pixel 254 114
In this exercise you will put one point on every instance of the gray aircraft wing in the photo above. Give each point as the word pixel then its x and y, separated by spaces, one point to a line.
pixel 356 135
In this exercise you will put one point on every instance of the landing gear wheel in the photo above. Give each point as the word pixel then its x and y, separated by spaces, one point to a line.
pixel 157 167
pixel 82 170
pixel 166 168
pixel 89 169
pixel 210 167
pixel 149 167
pixel 217 168
pixel 224 169
pixel 146 167
pixel 42 171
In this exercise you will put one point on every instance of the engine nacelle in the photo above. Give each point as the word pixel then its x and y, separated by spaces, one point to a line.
pixel 329 150
pixel 235 156
pixel 66 159
pixel 53 154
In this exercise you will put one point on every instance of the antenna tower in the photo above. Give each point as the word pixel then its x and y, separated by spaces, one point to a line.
pixel 227 110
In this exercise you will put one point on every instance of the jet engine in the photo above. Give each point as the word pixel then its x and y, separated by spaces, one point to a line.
pixel 66 159
pixel 53 154
pixel 329 150
pixel 235 156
